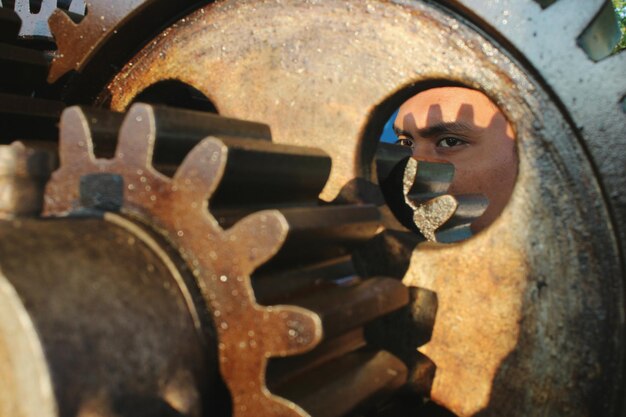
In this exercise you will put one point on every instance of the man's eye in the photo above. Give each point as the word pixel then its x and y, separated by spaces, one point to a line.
pixel 405 142
pixel 450 142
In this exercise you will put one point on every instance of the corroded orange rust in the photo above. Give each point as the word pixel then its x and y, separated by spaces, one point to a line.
pixel 223 260
pixel 477 323
pixel 545 304
pixel 76 41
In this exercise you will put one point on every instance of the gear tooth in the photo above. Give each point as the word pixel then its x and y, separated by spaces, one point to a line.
pixel 60 26
pixel 202 169
pixel 76 145
pixel 290 330
pixel 22 7
pixel 260 235
pixel 10 24
pixel 280 371
pixel 76 42
pixel 137 137
pixel 278 287
pixel 337 387
pixel 75 156
pixel 348 306
pixel 282 176
pixel 35 24
pixel 322 233
pixel 388 157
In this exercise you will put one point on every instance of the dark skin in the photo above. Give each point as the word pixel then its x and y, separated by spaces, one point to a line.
pixel 463 127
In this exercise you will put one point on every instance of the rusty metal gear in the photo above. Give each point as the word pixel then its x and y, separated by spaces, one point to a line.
pixel 530 311
pixel 224 260
pixel 264 61
pixel 77 42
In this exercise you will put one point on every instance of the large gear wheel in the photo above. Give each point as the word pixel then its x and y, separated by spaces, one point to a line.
pixel 529 313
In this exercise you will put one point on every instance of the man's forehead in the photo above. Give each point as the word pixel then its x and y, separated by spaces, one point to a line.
pixel 446 105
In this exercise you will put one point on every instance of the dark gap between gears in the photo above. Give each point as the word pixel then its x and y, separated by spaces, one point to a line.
pixel 176 94
pixel 545 3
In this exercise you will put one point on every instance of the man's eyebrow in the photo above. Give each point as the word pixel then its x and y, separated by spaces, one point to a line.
pixel 448 127
pixel 439 128
pixel 400 132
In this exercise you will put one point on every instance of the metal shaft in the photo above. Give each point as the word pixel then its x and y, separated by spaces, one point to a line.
pixel 150 351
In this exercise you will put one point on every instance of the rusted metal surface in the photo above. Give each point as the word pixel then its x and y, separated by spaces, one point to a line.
pixel 336 388
pixel 248 333
pixel 223 260
pixel 530 315
pixel 148 353
pixel 24 172
pixel 76 42
pixel 530 312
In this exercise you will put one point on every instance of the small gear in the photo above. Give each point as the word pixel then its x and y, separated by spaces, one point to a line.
pixel 223 260
pixel 76 42
pixel 223 270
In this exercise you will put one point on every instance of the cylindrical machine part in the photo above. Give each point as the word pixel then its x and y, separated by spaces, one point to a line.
pixel 24 171
pixel 97 318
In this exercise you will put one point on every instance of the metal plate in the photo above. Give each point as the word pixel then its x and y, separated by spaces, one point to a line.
pixel 530 317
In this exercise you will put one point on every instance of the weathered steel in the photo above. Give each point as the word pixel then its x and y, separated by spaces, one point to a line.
pixel 347 383
pixel 346 307
pixel 148 352
pixel 223 260
pixel 530 314
pixel 76 42
pixel 275 287
pixel 544 281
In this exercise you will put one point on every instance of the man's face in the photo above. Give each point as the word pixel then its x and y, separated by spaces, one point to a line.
pixel 465 128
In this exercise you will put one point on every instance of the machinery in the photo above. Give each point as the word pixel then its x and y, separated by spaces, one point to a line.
pixel 198 219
